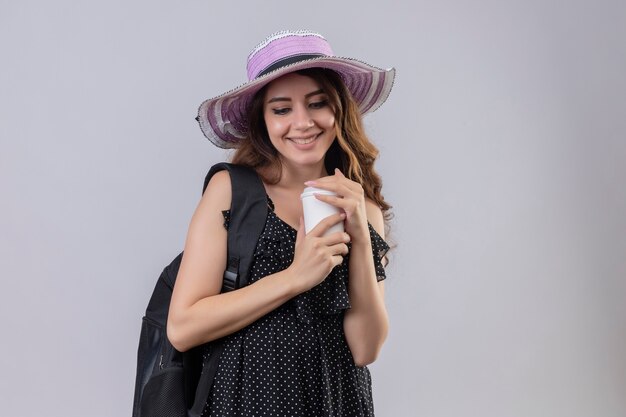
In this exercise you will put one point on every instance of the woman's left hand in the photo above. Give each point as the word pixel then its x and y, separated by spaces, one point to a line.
pixel 350 198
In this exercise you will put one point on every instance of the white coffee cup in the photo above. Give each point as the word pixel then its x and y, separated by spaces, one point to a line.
pixel 316 210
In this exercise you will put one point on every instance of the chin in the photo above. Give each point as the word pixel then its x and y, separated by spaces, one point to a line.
pixel 304 160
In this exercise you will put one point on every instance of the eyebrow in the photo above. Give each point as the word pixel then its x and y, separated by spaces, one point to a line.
pixel 314 93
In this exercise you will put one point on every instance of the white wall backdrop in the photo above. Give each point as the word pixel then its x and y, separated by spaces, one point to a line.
pixel 503 150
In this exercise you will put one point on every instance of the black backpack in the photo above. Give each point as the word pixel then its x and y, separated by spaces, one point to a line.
pixel 170 383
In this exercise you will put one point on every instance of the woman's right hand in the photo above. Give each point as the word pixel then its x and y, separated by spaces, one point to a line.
pixel 315 254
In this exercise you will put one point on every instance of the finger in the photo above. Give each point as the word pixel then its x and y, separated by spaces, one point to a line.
pixel 337 260
pixel 347 205
pixel 337 176
pixel 332 200
pixel 339 249
pixel 336 238
pixel 345 188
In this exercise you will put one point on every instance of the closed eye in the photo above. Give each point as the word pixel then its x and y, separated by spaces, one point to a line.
pixel 319 104
pixel 281 111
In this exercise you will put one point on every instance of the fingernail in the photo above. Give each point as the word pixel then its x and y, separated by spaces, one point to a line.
pixel 309 183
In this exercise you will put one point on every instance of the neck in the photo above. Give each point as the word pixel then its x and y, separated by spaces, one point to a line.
pixel 295 176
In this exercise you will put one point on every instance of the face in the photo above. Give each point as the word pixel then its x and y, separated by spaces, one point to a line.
pixel 300 121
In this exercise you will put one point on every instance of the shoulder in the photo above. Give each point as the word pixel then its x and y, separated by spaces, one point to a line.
pixel 375 216
pixel 219 190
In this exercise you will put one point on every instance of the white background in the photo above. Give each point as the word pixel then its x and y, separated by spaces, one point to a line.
pixel 503 151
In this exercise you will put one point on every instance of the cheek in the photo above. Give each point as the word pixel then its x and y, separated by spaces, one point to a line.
pixel 274 125
pixel 330 121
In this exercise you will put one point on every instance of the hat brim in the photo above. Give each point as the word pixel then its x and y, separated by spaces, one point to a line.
pixel 223 121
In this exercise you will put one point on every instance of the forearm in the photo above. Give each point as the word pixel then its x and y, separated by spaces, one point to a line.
pixel 365 323
pixel 213 317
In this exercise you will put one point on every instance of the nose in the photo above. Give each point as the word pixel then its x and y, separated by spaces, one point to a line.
pixel 302 118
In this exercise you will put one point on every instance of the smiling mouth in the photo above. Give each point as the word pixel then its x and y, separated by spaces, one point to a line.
pixel 304 141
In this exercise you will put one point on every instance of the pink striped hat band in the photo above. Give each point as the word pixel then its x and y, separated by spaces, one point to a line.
pixel 223 119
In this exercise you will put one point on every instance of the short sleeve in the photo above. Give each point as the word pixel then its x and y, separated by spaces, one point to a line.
pixel 379 250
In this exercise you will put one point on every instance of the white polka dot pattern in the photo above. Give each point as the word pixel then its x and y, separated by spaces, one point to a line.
pixel 293 361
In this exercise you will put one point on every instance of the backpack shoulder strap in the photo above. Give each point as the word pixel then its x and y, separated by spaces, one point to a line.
pixel 248 211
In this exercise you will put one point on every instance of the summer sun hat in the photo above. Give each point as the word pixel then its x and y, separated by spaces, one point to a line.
pixel 222 119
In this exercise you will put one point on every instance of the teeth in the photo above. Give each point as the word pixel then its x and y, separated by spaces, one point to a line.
pixel 303 141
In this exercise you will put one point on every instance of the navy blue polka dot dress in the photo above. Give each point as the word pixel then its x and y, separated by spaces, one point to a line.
pixel 294 361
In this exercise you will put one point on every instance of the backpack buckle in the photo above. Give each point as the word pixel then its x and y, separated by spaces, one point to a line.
pixel 231 275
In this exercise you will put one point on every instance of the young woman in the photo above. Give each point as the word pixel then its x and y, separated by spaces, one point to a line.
pixel 298 338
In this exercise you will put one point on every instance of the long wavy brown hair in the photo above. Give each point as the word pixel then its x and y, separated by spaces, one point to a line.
pixel 352 151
